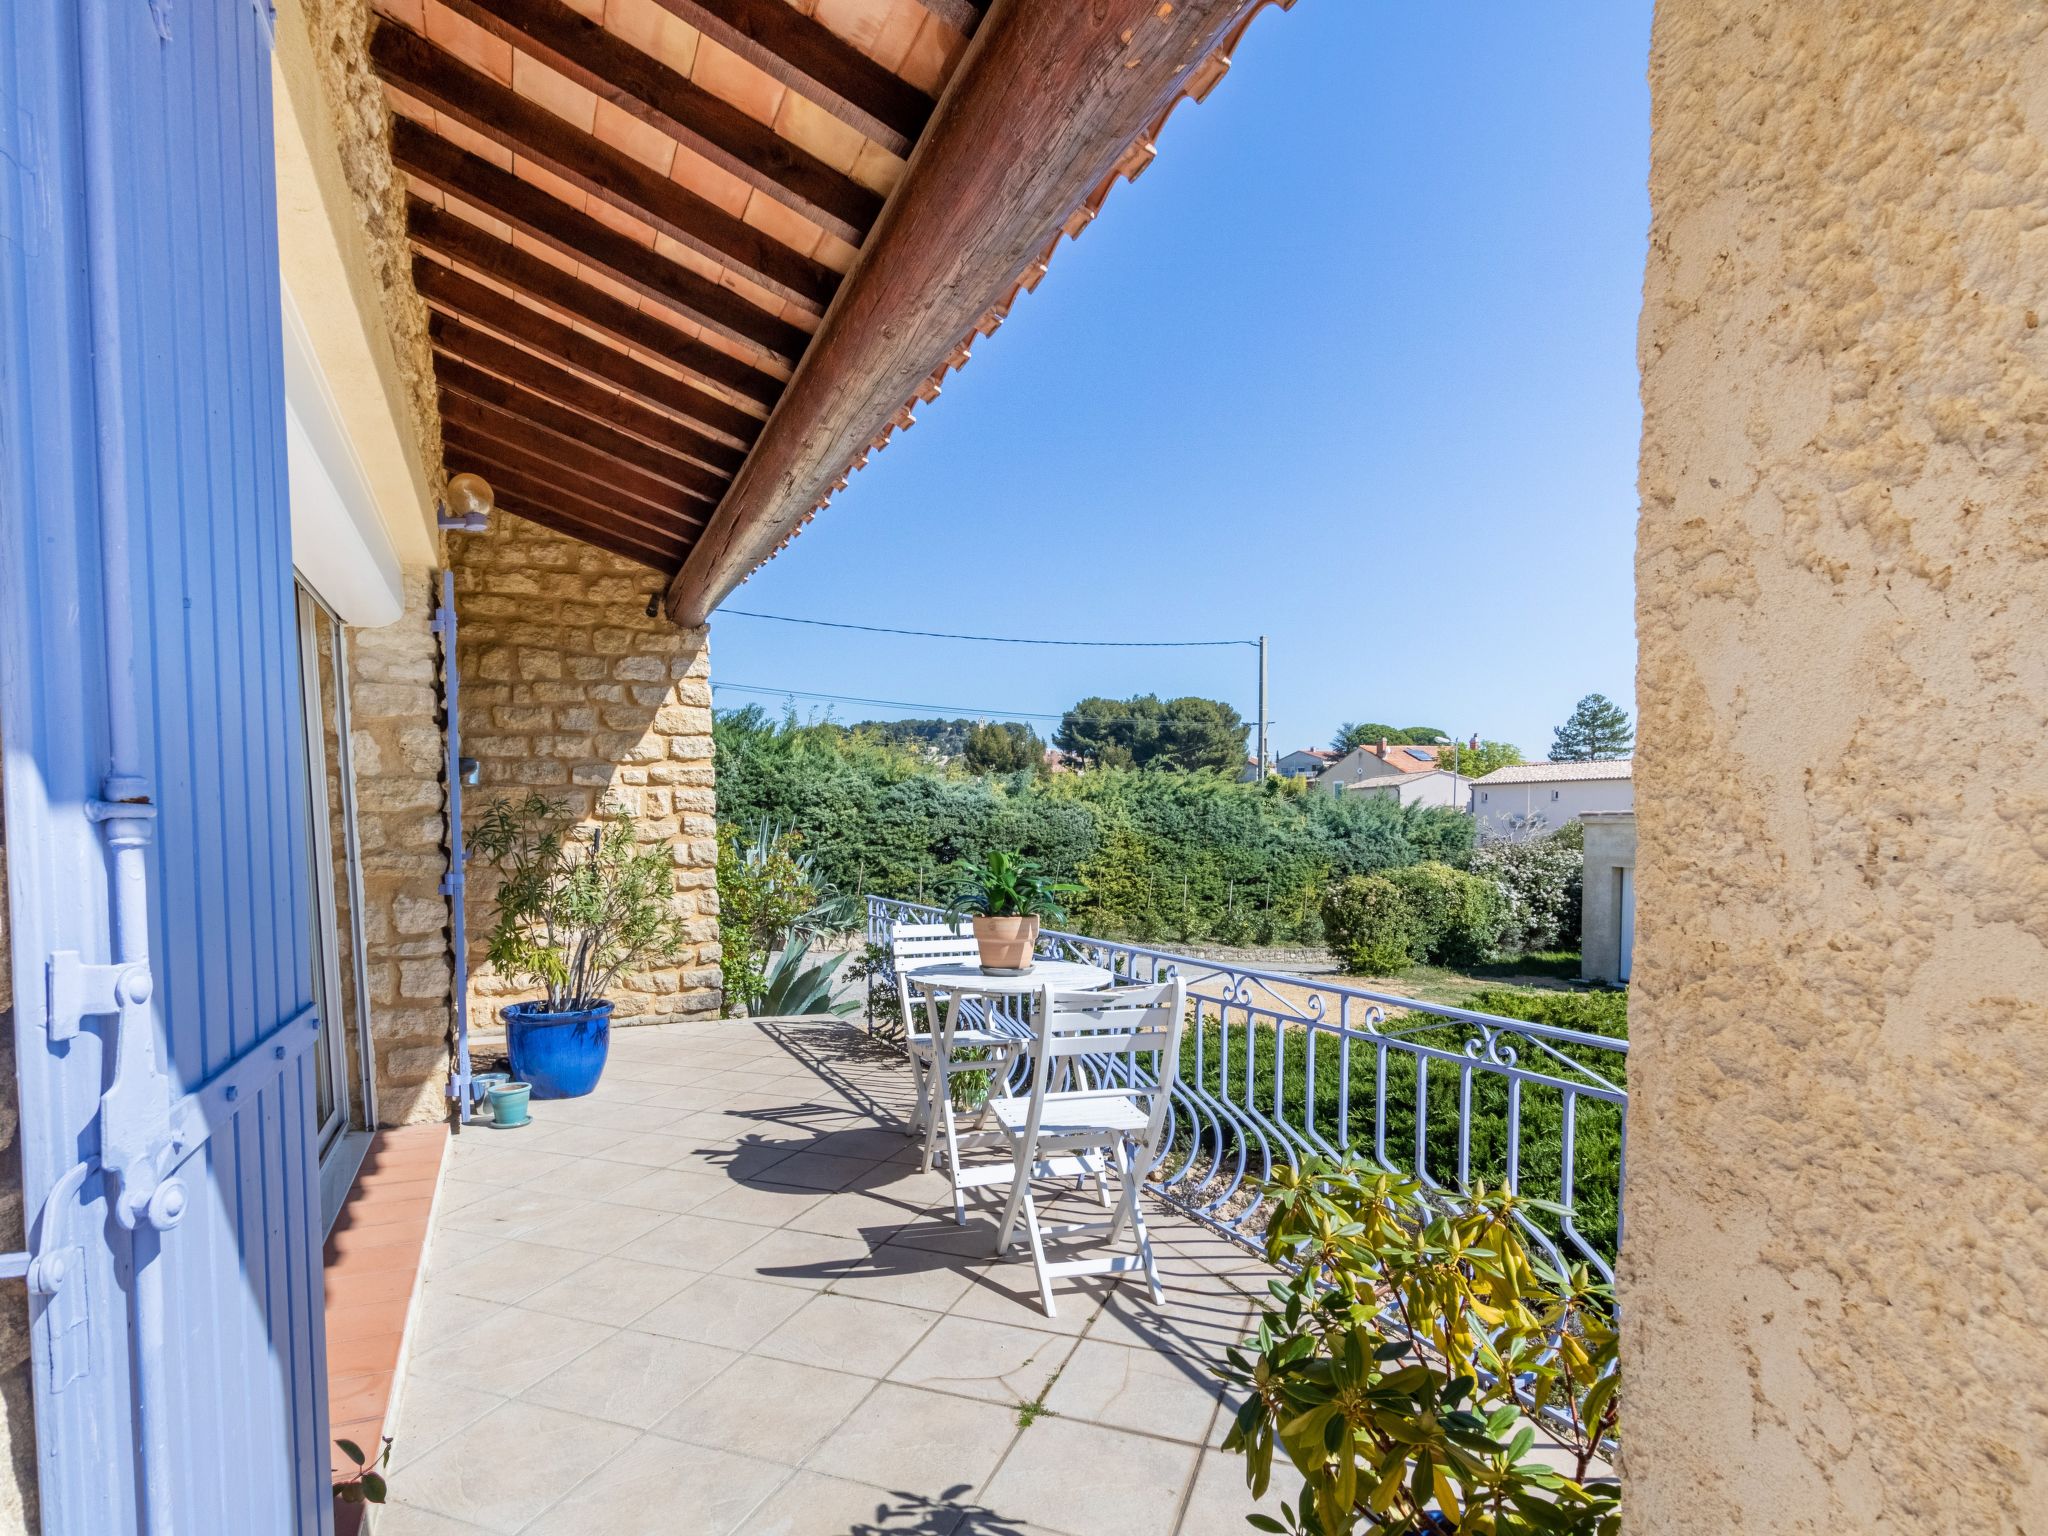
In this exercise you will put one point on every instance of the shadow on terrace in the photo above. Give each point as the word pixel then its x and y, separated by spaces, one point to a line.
pixel 718 1296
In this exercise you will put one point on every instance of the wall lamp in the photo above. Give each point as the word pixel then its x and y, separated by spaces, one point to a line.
pixel 472 499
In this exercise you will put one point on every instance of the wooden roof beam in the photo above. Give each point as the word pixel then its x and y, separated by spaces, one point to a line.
pixel 444 288
pixel 451 235
pixel 534 373
pixel 543 482
pixel 815 62
pixel 543 415
pixel 505 117
pixel 1044 105
pixel 421 152
pixel 646 89
pixel 663 502
pixel 531 503
pixel 962 16
pixel 567 488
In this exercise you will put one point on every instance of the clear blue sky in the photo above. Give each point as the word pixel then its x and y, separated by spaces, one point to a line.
pixel 1352 365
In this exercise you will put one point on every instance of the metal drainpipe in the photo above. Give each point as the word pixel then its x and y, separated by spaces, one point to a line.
pixel 143 1206
pixel 454 885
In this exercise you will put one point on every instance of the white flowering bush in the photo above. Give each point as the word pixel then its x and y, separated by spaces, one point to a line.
pixel 1543 878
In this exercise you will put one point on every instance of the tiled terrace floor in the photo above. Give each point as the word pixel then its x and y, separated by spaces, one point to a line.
pixel 717 1297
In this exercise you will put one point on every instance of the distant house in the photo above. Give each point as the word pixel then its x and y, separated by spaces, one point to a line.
pixel 1305 764
pixel 1433 786
pixel 1379 762
pixel 1511 800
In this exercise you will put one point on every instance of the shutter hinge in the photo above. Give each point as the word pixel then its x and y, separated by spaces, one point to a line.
pixel 79 991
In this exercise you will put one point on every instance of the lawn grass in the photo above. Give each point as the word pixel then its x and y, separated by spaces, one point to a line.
pixel 1453 986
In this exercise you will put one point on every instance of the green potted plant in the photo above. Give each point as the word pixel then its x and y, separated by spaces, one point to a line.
pixel 1007 895
pixel 969 1090
pixel 575 909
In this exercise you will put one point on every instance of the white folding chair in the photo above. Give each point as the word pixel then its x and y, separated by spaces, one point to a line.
pixel 931 1049
pixel 1114 1057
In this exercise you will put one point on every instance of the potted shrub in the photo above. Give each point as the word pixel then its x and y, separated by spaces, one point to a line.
pixel 575 908
pixel 1007 895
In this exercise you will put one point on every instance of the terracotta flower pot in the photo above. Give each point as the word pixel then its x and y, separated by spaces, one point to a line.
pixel 1006 943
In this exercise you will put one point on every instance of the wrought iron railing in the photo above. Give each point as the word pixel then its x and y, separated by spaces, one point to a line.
pixel 1276 1067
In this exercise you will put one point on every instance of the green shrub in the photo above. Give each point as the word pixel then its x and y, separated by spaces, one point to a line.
pixel 1458 917
pixel 1542 878
pixel 1369 926
pixel 1594 1013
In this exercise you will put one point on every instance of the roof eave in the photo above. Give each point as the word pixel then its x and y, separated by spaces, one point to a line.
pixel 1045 112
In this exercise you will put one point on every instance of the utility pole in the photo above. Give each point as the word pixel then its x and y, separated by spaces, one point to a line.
pixel 1262 706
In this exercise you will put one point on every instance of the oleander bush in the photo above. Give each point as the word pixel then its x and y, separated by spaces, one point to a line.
pixel 1543 878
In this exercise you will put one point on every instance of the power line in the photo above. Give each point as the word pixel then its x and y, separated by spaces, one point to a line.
pixel 934 634
pixel 957 711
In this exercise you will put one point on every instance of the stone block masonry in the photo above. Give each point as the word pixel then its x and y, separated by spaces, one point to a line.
pixel 402 828
pixel 570 689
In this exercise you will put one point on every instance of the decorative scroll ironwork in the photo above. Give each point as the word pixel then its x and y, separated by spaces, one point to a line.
pixel 1276 1068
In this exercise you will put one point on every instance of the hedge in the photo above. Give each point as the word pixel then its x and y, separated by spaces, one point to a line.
pixel 1164 856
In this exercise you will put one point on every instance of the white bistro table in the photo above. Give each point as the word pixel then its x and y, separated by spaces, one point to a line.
pixel 949 983
pixel 959 978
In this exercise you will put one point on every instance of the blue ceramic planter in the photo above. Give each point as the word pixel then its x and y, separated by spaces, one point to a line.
pixel 508 1105
pixel 560 1054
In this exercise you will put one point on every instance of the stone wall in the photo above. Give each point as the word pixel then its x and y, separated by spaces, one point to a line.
pixel 1833 1278
pixel 570 689
pixel 329 39
pixel 402 824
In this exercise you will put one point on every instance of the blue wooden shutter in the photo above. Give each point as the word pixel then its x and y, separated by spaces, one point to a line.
pixel 179 1361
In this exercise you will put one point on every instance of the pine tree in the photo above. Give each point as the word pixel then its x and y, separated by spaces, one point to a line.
pixel 1598 731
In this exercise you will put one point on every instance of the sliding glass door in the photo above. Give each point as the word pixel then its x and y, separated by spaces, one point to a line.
pixel 344 1086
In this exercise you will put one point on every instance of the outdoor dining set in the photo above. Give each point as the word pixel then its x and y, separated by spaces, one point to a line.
pixel 1078 1069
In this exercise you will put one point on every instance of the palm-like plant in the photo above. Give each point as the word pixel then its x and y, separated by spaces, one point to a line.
pixel 1007 885
pixel 574 910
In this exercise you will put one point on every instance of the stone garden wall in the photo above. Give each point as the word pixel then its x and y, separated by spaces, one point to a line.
pixel 570 689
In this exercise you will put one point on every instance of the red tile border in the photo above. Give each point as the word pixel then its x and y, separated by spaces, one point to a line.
pixel 373 1257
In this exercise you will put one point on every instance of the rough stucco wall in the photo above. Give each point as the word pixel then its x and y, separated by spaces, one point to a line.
pixel 361 121
pixel 1837 1246
pixel 569 688
pixel 402 825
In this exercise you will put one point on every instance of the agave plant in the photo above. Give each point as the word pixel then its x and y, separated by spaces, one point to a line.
pixel 793 987
pixel 829 910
